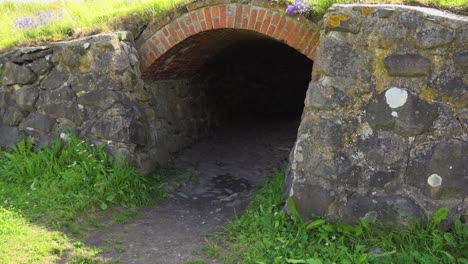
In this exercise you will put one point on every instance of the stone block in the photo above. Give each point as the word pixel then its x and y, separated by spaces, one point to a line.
pixel 54 79
pixel 26 97
pixel 16 74
pixel 38 122
pixel 407 65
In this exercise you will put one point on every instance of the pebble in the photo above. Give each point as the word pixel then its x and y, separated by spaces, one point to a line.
pixel 183 195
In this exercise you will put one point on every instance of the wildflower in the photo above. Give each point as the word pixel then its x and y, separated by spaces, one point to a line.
pixel 65 137
pixel 6 201
pixel 333 237
pixel 326 244
pixel 299 6
pixel 39 19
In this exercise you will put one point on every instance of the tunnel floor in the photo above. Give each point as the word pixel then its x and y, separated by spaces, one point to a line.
pixel 225 168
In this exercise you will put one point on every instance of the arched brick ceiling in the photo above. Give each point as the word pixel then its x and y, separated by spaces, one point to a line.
pixel 176 45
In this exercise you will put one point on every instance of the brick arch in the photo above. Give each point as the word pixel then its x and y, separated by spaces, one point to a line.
pixel 220 23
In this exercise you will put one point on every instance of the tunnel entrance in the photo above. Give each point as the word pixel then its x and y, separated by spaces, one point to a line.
pixel 228 85
pixel 259 78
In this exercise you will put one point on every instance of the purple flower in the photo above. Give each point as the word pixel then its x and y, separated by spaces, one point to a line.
pixel 299 6
pixel 38 20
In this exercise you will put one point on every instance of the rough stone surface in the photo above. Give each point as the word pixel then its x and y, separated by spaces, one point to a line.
pixel 407 65
pixel 431 35
pixel 10 135
pixel 26 97
pixel 16 74
pixel 54 79
pixel 39 122
pixel 383 125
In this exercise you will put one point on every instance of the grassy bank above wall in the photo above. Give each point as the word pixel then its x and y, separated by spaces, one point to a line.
pixel 30 22
pixel 33 23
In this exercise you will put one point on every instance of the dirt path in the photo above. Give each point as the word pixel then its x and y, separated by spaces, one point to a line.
pixel 226 168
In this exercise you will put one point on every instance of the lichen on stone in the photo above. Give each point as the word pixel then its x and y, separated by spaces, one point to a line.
pixel 335 20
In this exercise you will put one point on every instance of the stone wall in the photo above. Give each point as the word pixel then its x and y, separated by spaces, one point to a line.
pixel 91 86
pixel 384 125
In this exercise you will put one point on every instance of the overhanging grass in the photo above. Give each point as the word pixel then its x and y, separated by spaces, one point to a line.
pixel 266 235
pixel 88 16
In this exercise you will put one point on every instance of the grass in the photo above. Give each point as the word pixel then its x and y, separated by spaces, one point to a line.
pixel 24 242
pixel 76 16
pixel 72 18
pixel 50 187
pixel 265 234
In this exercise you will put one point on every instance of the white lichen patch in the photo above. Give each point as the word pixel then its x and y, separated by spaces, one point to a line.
pixel 434 180
pixel 396 97
pixel 394 114
pixel 366 131
pixel 299 157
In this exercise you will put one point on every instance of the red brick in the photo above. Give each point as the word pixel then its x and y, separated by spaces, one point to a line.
pixel 260 18
pixel 164 41
pixel 208 19
pixel 184 27
pixel 280 28
pixel 178 30
pixel 174 33
pixel 299 36
pixel 305 42
pixel 266 22
pixel 152 56
pixel 215 15
pixel 215 11
pixel 271 31
pixel 230 22
pixel 253 18
pixel 238 22
pixel 258 26
pixel 287 29
pixel 223 16
pixel 276 19
pixel 245 17
pixel 166 33
pixel 293 34
pixel 195 22
pixel 216 23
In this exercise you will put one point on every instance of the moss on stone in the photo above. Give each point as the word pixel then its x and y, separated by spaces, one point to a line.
pixel 85 64
pixel 432 95
pixel 367 11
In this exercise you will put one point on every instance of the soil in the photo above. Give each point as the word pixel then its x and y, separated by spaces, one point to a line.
pixel 225 169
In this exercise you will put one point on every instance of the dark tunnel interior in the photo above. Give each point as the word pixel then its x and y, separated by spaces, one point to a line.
pixel 260 78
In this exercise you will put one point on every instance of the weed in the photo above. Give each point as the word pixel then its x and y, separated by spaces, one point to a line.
pixel 119 248
pixel 211 249
pixel 124 217
pixel 198 261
